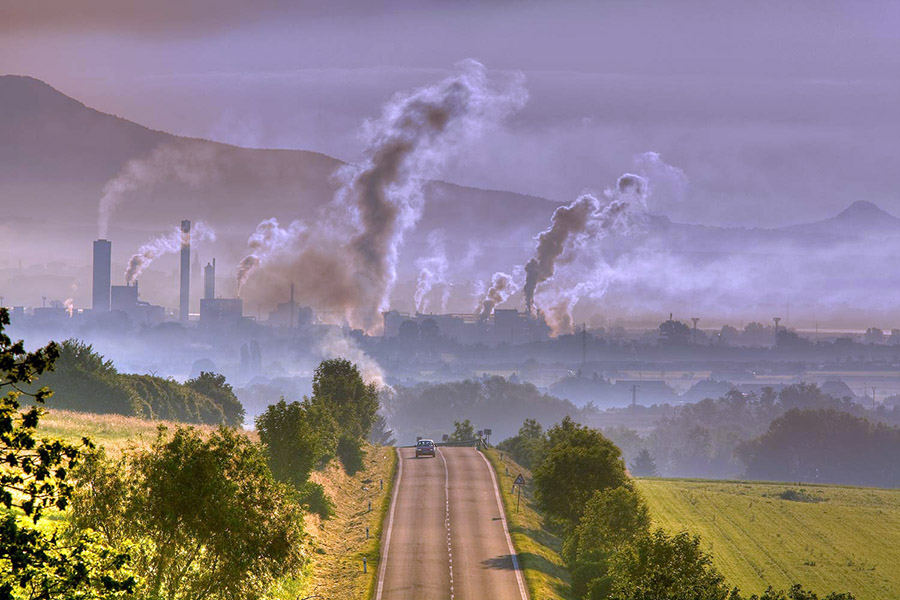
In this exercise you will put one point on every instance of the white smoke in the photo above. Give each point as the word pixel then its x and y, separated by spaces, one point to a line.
pixel 70 306
pixel 336 344
pixel 348 259
pixel 432 272
pixel 192 163
pixel 167 244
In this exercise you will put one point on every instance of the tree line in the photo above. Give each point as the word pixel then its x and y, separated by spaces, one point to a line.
pixel 85 381
pixel 584 491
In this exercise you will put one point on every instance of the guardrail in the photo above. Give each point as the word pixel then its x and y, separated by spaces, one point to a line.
pixel 474 443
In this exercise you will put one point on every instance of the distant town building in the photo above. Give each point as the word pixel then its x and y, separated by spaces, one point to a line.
pixel 221 311
pixel 102 275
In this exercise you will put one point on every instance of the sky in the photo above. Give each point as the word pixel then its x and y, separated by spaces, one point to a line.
pixel 777 112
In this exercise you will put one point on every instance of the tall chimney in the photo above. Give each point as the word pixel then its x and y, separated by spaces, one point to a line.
pixel 184 299
pixel 209 280
pixel 102 269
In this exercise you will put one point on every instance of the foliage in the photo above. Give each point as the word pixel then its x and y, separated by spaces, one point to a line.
pixel 578 462
pixel 294 443
pixel 527 446
pixel 674 333
pixel 429 408
pixel 826 446
pixel 312 497
pixel 644 465
pixel 463 431
pixel 661 566
pixel 205 516
pixel 34 476
pixel 351 454
pixel 612 519
pixel 380 434
pixel 214 386
pixel 340 389
pixel 87 382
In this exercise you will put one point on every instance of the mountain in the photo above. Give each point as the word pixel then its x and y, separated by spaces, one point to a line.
pixel 862 219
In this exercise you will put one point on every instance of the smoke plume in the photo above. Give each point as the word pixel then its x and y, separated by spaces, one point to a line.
pixel 432 272
pixel 167 244
pixel 502 287
pixel 191 163
pixel 567 221
pixel 336 344
pixel 70 306
pixel 348 260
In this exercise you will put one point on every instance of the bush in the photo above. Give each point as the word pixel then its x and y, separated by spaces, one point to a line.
pixel 351 454
pixel 313 498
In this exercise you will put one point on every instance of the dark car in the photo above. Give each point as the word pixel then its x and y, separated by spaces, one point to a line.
pixel 425 448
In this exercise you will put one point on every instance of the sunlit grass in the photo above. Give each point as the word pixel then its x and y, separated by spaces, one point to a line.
pixel 827 538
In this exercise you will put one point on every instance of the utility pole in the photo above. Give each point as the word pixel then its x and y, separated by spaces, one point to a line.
pixel 694 333
pixel 633 394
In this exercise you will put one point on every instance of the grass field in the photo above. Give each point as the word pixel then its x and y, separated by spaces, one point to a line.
pixel 827 538
pixel 538 549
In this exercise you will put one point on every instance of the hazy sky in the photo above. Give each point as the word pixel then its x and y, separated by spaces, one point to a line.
pixel 777 112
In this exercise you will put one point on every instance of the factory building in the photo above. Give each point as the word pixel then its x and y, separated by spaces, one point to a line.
pixel 102 277
pixel 216 312
pixel 124 298
pixel 209 280
pixel 504 326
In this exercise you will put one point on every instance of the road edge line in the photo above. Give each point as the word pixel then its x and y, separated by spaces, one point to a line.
pixel 512 551
pixel 382 560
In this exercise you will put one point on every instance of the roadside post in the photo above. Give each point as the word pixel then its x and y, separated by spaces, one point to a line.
pixel 517 484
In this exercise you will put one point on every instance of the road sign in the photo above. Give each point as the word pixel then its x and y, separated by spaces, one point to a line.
pixel 487 432
pixel 446 437
pixel 517 485
pixel 519 480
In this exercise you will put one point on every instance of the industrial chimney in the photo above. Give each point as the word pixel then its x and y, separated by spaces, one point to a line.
pixel 102 269
pixel 209 280
pixel 184 299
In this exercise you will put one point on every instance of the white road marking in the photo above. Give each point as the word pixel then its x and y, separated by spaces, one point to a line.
pixel 390 527
pixel 512 551
pixel 447 517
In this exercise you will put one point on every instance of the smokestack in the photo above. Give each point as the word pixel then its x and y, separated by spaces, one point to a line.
pixel 209 280
pixel 184 300
pixel 102 267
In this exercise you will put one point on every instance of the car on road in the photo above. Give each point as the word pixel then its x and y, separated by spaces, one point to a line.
pixel 425 448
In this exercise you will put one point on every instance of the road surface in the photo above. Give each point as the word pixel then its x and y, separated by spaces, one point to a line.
pixel 445 535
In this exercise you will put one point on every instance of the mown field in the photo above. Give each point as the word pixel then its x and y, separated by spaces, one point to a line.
pixel 828 538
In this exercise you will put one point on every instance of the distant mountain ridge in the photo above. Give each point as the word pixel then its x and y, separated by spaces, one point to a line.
pixel 56 155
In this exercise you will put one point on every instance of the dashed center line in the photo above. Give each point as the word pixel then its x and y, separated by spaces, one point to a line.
pixel 447 517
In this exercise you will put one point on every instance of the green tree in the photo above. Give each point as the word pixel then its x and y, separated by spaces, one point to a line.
pixel 674 333
pixel 380 434
pixel 578 462
pixel 658 566
pixel 34 477
pixel 644 465
pixel 204 515
pixel 612 519
pixel 294 444
pixel 338 385
pixel 527 446
pixel 463 431
pixel 215 387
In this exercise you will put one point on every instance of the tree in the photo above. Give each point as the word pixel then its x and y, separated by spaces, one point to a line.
pixel 293 443
pixel 674 333
pixel 462 431
pixel 658 566
pixel 380 434
pixel 578 462
pixel 644 465
pixel 203 516
pixel 612 519
pixel 215 387
pixel 34 477
pixel 527 447
pixel 340 389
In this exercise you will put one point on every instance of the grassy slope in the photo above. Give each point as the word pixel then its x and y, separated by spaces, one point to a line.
pixel 340 542
pixel 538 549
pixel 848 541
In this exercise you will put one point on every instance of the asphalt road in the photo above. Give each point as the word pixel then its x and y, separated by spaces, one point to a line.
pixel 445 535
